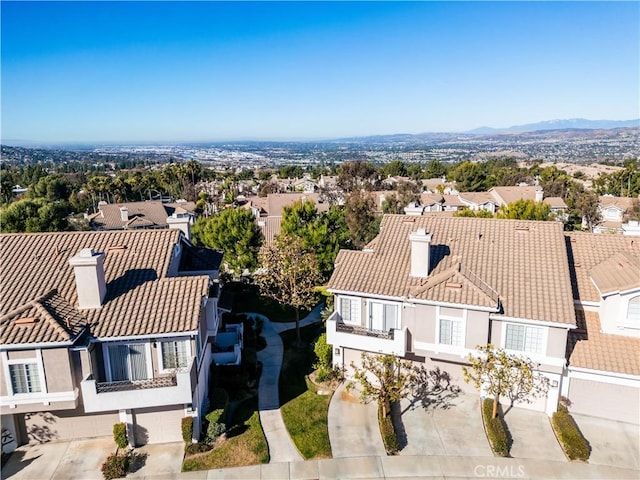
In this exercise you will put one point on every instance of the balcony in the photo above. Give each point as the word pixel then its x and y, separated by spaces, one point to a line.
pixel 226 348
pixel 340 334
pixel 155 392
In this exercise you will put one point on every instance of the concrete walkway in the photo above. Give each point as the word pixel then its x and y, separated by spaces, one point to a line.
pixel 353 426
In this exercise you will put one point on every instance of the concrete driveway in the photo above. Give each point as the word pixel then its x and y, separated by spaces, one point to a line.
pixel 532 435
pixel 453 427
pixel 612 443
pixel 82 460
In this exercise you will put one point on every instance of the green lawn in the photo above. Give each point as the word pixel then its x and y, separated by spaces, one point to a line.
pixel 247 298
pixel 245 443
pixel 304 411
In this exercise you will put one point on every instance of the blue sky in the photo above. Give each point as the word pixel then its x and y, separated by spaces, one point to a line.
pixel 198 71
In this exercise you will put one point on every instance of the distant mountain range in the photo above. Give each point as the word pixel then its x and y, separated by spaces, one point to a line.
pixel 577 123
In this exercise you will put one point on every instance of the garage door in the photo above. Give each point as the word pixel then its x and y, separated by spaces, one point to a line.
pixel 158 425
pixel 68 424
pixel 606 400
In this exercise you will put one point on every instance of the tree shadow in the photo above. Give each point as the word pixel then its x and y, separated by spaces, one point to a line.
pixel 432 389
pixel 16 463
pixel 131 279
pixel 137 461
pixel 41 433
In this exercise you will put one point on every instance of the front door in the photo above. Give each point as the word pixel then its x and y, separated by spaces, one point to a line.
pixel 128 362
pixel 376 316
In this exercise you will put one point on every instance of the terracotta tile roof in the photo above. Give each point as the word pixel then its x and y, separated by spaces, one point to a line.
pixel 141 214
pixel 431 198
pixel 618 273
pixel 48 318
pixel 623 203
pixel 277 201
pixel 478 198
pixel 588 250
pixel 270 227
pixel 452 201
pixel 592 349
pixel 525 263
pixel 140 298
pixel 555 202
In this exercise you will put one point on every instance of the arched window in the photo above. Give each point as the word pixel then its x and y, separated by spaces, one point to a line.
pixel 633 311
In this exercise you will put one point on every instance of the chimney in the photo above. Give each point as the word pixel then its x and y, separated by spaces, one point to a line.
pixel 420 244
pixel 182 220
pixel 124 214
pixel 539 195
pixel 90 283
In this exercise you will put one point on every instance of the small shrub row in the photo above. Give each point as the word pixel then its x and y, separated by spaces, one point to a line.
pixel 120 435
pixel 115 466
pixel 388 432
pixel 575 446
pixel 496 429
pixel 187 429
pixel 194 448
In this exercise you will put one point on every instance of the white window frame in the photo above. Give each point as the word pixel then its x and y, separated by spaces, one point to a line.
pixel 351 299
pixel 398 306
pixel 23 361
pixel 627 322
pixel 161 367
pixel 544 342
pixel 462 319
pixel 107 359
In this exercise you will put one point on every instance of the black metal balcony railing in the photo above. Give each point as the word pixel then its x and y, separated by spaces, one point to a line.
pixel 136 384
pixel 357 330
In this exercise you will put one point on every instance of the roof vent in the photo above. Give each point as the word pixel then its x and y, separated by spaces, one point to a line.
pixel 453 285
pixel 116 248
pixel 25 321
pixel 522 228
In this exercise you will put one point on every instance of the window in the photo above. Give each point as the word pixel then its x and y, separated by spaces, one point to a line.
pixel 383 316
pixel 25 378
pixel 350 310
pixel 524 338
pixel 452 331
pixel 175 354
pixel 128 362
pixel 633 311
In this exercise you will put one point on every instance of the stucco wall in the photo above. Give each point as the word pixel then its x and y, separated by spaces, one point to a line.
pixel 477 332
pixel 57 369
pixel 424 327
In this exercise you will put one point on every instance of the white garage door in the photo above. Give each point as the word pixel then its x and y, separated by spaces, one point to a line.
pixel 158 425
pixel 606 400
pixel 68 424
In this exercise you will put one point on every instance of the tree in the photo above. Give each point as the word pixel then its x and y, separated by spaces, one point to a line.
pixel 502 374
pixel 526 210
pixel 395 168
pixel 361 219
pixel 235 232
pixel 467 212
pixel 470 177
pixel 37 215
pixel 289 274
pixel 584 205
pixel 356 175
pixel 385 378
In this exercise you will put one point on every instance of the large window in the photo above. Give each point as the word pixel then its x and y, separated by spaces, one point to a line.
pixel 452 331
pixel 175 354
pixel 524 338
pixel 350 310
pixel 383 316
pixel 633 311
pixel 128 362
pixel 25 378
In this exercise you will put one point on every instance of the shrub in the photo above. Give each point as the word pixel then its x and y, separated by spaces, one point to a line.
pixel 194 448
pixel 120 435
pixel 187 429
pixel 115 466
pixel 217 425
pixel 496 429
pixel 388 432
pixel 575 446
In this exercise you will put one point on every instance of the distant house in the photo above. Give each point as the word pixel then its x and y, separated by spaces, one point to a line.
pixel 612 213
pixel 144 215
pixel 476 201
pixel 431 288
pixel 105 327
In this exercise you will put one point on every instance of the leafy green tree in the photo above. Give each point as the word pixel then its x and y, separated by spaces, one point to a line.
pixel 470 177
pixel 525 210
pixel 361 218
pixel 39 215
pixel 395 168
pixel 434 169
pixel 384 378
pixel 502 374
pixel 392 204
pixel 357 175
pixel 235 232
pixel 289 274
pixel 467 212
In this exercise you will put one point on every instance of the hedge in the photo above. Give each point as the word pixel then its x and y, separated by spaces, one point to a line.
pixel 496 429
pixel 187 429
pixel 575 446
pixel 120 435
pixel 388 432
pixel 115 466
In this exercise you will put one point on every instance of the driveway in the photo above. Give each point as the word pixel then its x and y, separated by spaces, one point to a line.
pixel 450 427
pixel 82 460
pixel 532 435
pixel 353 426
pixel 612 443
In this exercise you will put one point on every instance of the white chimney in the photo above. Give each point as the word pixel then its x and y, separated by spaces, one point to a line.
pixel 539 195
pixel 90 283
pixel 124 214
pixel 182 220
pixel 420 245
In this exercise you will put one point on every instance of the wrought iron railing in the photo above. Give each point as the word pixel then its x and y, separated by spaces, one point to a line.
pixel 358 330
pixel 159 382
